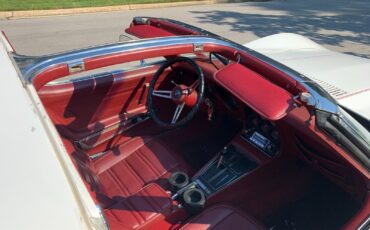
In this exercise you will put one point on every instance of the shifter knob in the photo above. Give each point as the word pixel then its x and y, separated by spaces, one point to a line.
pixel 224 150
pixel 221 157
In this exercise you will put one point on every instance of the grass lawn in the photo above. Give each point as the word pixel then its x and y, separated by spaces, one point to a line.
pixel 8 5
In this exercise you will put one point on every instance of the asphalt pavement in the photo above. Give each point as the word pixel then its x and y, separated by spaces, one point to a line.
pixel 339 25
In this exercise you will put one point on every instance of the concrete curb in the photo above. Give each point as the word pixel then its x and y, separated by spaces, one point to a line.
pixel 40 13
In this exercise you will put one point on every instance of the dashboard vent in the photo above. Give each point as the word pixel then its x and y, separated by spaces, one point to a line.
pixel 331 89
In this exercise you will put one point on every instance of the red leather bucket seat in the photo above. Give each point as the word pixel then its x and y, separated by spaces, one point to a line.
pixel 133 165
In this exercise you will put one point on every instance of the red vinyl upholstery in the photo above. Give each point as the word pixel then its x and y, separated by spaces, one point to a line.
pixel 134 164
pixel 147 31
pixel 268 99
pixel 158 28
pixel 141 210
pixel 222 217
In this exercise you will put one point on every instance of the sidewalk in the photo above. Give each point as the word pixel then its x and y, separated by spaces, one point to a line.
pixel 39 13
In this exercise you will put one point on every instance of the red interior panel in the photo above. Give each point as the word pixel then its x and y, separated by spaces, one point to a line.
pixel 147 31
pixel 50 74
pixel 84 107
pixel 157 28
pixel 267 99
pixel 306 143
pixel 59 71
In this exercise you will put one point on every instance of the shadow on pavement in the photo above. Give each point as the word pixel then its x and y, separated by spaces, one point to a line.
pixel 326 22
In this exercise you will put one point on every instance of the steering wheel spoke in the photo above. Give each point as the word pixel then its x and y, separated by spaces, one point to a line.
pixel 177 113
pixel 162 93
pixel 194 85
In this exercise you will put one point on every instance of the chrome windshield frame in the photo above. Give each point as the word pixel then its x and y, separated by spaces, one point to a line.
pixel 30 66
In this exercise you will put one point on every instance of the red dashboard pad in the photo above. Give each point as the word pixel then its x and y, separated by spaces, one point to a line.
pixel 266 98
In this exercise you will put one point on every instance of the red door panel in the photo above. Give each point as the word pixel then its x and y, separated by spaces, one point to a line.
pixel 86 107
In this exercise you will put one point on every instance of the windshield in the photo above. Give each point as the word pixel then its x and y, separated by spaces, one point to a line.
pixel 355 127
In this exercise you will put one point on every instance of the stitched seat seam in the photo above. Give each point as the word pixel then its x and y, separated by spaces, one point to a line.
pixel 145 160
pixel 119 183
pixel 152 202
pixel 133 172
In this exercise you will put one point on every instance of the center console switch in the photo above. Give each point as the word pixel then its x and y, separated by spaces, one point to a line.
pixel 224 169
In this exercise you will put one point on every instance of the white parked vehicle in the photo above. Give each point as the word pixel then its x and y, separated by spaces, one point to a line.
pixel 183 129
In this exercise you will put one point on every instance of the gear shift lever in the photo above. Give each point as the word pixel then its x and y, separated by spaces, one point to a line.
pixel 222 156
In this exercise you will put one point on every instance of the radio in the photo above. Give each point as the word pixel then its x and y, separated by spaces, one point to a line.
pixel 263 134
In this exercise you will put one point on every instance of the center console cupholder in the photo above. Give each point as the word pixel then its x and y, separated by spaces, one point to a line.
pixel 194 200
pixel 178 180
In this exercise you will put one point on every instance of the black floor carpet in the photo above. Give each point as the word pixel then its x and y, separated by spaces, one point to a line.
pixel 202 139
pixel 328 207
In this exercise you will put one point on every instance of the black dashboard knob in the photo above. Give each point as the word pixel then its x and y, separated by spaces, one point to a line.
pixel 275 135
pixel 271 148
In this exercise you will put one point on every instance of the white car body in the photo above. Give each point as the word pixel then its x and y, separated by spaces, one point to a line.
pixel 345 77
pixel 41 188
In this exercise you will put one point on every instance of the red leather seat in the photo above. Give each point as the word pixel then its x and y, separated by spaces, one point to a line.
pixel 134 164
pixel 222 217
pixel 132 176
pixel 128 182
pixel 143 209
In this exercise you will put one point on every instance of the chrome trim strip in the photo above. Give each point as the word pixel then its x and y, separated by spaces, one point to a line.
pixel 366 223
pixel 202 186
pixel 76 78
pixel 76 67
pixel 31 66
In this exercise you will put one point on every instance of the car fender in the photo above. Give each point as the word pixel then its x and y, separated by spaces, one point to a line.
pixel 345 77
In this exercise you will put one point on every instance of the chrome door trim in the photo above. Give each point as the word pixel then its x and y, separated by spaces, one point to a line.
pixel 30 66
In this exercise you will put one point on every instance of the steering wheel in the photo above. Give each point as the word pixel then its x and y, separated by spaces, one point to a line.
pixel 182 95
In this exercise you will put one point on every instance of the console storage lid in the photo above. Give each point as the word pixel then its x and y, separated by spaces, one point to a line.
pixel 266 98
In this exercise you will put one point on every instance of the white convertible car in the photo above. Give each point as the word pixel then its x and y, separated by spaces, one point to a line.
pixel 184 129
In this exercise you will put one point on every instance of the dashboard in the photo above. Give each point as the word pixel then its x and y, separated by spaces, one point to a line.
pixel 257 131
pixel 261 133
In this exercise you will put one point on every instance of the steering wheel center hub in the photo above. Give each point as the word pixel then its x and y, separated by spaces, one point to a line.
pixel 183 94
pixel 178 92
